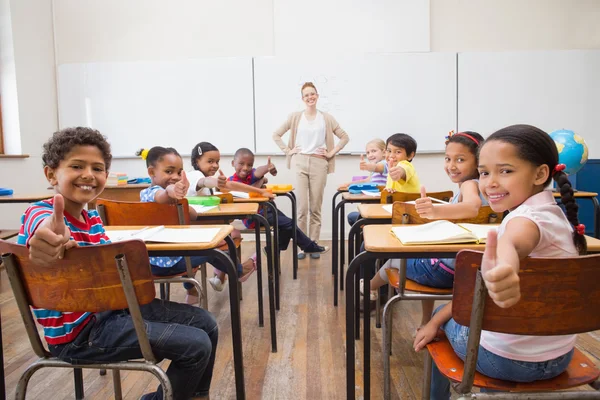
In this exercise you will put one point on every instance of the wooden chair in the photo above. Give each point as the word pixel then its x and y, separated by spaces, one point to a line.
pixel 389 198
pixel 403 213
pixel 115 212
pixel 101 287
pixel 559 296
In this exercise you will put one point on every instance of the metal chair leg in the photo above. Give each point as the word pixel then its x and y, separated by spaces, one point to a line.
pixel 163 291
pixel 117 384
pixel 427 377
pixel 78 382
pixel 204 300
pixel 168 291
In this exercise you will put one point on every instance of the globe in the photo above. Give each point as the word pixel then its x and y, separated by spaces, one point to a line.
pixel 572 150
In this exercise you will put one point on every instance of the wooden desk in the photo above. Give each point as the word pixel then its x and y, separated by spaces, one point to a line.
pixel 380 244
pixel 228 211
pixel 209 249
pixel 27 198
pixel 120 193
pixel 290 195
pixel 593 197
pixel 266 203
pixel 374 211
pixel 338 230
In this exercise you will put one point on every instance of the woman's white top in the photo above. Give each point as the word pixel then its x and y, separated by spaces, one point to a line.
pixel 311 134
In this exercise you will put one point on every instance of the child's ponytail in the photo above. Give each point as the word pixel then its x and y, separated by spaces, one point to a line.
pixel 567 198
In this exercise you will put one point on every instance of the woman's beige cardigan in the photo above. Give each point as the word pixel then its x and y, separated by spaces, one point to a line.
pixel 331 128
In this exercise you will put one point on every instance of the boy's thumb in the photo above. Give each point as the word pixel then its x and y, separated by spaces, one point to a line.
pixel 423 192
pixel 58 215
pixel 221 173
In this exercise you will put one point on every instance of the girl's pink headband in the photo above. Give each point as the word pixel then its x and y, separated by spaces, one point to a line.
pixel 451 133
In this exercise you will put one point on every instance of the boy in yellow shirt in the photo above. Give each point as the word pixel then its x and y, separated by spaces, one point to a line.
pixel 402 177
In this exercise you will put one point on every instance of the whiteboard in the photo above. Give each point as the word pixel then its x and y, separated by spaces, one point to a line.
pixel 551 90
pixel 371 96
pixel 155 103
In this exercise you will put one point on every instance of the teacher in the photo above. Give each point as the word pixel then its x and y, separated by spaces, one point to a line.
pixel 311 145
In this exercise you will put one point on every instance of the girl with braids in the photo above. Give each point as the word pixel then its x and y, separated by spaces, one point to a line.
pixel 516 165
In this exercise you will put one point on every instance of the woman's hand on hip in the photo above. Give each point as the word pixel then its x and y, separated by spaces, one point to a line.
pixel 293 151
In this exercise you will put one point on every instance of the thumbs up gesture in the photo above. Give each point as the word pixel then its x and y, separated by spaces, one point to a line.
pixel 222 179
pixel 424 205
pixel 501 279
pixel 180 188
pixel 52 238
pixel 271 166
pixel 363 164
pixel 394 171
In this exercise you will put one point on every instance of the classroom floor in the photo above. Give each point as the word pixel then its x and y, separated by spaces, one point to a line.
pixel 310 363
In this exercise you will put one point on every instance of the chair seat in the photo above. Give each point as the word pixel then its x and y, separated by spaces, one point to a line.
pixel 236 241
pixel 580 371
pixel 184 273
pixel 412 286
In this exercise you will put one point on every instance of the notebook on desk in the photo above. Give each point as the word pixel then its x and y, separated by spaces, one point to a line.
pixel 161 234
pixel 442 232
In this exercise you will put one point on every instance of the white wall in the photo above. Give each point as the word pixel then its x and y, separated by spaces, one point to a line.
pixel 112 30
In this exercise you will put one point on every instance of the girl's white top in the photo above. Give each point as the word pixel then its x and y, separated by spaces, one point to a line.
pixel 556 240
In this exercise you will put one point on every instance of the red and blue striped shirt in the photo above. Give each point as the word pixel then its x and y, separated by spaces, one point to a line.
pixel 62 327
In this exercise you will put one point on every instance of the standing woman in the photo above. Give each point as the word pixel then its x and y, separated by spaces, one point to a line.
pixel 312 147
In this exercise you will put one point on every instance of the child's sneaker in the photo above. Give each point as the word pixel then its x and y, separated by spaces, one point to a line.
pixel 373 294
pixel 216 283
pixel 301 256
pixel 314 248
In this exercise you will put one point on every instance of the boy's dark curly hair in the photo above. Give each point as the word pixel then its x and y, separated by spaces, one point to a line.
pixel 63 141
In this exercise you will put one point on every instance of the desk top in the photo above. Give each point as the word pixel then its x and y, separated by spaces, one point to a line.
pixel 239 200
pixel 228 209
pixel 578 194
pixel 282 191
pixel 379 239
pixel 224 231
pixel 27 198
pixel 360 197
pixel 373 211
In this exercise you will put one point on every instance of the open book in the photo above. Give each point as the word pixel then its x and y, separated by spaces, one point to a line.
pixel 164 235
pixel 442 232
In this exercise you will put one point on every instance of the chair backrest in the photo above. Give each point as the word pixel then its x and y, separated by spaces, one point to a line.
pixel 403 213
pixel 135 213
pixel 89 278
pixel 86 279
pixel 389 198
pixel 558 296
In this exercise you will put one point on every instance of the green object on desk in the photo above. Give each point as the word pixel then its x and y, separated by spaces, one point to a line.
pixel 204 200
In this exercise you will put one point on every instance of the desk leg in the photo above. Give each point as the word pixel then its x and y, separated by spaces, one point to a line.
pixel 275 250
pixel 292 198
pixel 261 317
pixel 263 221
pixel 334 255
pixel 236 324
pixel 334 233
pixel 2 384
pixel 342 234
pixel 352 322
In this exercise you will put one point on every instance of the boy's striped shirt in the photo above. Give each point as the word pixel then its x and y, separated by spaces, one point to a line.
pixel 62 327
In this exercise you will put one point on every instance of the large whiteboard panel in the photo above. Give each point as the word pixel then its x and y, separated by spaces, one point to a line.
pixel 551 90
pixel 175 103
pixel 371 97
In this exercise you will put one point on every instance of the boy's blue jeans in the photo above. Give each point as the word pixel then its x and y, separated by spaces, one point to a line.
pixel 286 230
pixel 184 334
pixel 493 365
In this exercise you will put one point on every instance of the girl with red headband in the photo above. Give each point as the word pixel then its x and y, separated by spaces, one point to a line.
pixel 516 166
